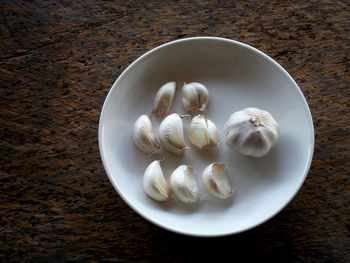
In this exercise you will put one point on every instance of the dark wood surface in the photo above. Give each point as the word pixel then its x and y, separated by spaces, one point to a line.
pixel 58 61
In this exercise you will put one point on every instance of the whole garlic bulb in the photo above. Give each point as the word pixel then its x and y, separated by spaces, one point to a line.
pixel 143 135
pixel 216 181
pixel 164 99
pixel 251 132
pixel 171 134
pixel 154 183
pixel 195 97
pixel 184 184
pixel 203 132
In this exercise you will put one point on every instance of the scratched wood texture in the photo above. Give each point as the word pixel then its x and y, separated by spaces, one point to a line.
pixel 58 61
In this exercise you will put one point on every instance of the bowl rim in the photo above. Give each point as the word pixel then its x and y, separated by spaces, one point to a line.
pixel 164 225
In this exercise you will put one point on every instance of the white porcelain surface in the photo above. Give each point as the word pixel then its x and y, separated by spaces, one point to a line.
pixel 237 76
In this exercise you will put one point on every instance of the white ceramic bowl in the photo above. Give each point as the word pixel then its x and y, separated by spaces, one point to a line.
pixel 237 76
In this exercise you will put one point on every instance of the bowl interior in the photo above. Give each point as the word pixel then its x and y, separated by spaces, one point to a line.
pixel 237 76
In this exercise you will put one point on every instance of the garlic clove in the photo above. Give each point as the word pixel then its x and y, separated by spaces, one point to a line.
pixel 203 133
pixel 251 132
pixel 216 181
pixel 164 98
pixel 213 134
pixel 154 183
pixel 171 134
pixel 184 184
pixel 144 136
pixel 195 97
pixel 198 132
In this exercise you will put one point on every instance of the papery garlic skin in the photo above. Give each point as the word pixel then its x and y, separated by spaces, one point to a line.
pixel 216 181
pixel 144 136
pixel 251 132
pixel 164 98
pixel 195 97
pixel 203 132
pixel 171 134
pixel 184 185
pixel 154 183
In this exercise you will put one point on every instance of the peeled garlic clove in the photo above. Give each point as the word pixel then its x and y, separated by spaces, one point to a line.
pixel 216 181
pixel 203 133
pixel 144 136
pixel 164 99
pixel 171 134
pixel 195 97
pixel 184 184
pixel 154 183
pixel 251 132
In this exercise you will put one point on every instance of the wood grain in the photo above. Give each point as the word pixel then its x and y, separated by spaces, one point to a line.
pixel 58 61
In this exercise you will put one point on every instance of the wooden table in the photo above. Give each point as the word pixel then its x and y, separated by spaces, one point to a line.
pixel 58 62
